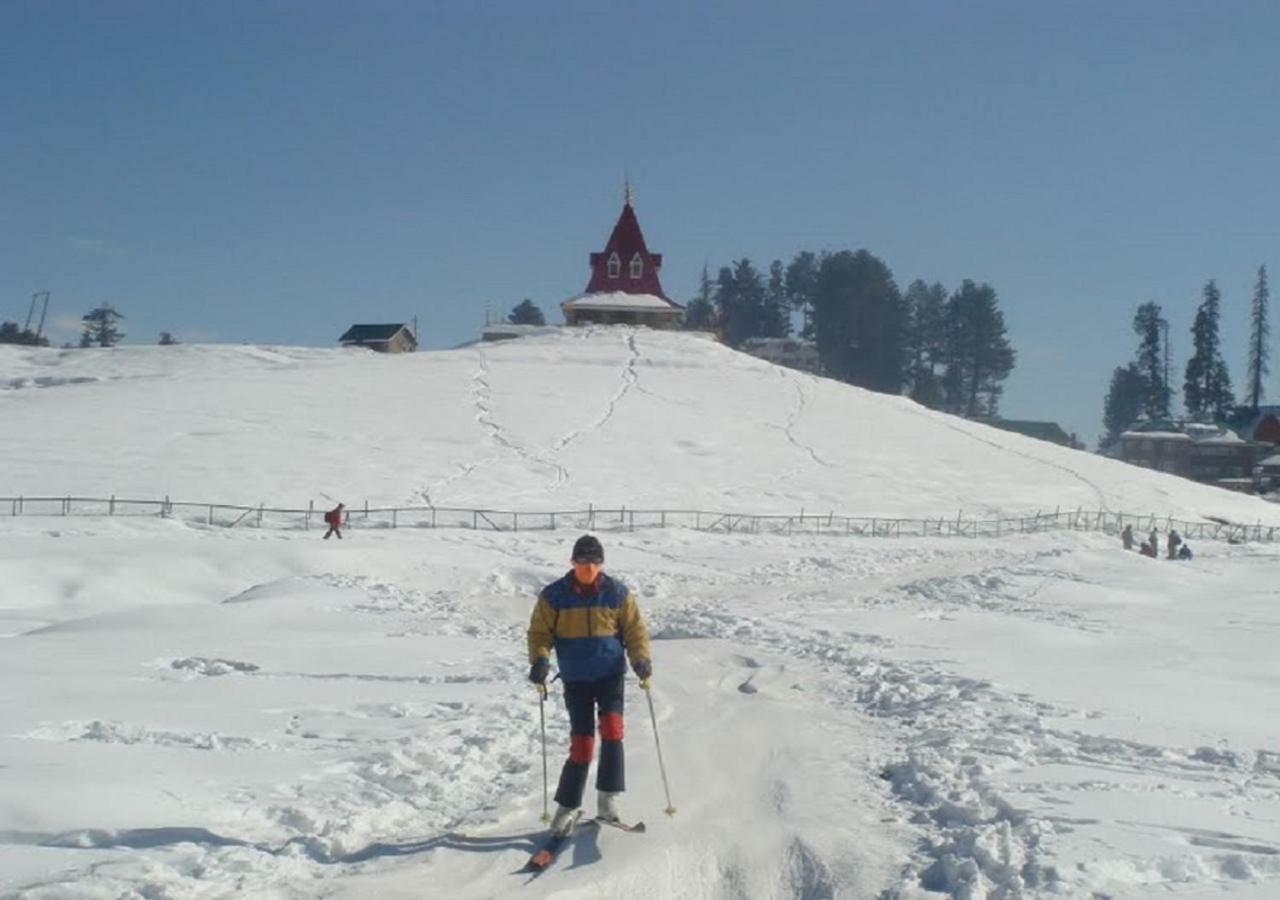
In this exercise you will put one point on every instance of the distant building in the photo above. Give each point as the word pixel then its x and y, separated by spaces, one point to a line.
pixel 1269 472
pixel 1209 453
pixel 395 338
pixel 790 352
pixel 1045 431
pixel 505 331
pixel 1262 425
pixel 624 288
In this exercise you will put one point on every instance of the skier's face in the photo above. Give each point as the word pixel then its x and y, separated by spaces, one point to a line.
pixel 585 571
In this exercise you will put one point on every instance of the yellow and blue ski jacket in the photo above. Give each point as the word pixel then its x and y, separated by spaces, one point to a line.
pixel 590 627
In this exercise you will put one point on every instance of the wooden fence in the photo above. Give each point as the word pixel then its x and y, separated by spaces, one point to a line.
pixel 626 519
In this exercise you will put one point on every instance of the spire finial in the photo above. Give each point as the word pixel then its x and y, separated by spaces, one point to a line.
pixel 626 192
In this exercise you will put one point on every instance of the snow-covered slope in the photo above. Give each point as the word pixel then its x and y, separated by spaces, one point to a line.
pixel 192 712
pixel 610 416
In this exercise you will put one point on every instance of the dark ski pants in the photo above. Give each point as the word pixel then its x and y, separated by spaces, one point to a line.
pixel 583 698
pixel 333 529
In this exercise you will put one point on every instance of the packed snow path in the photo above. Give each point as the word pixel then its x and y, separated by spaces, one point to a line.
pixel 205 712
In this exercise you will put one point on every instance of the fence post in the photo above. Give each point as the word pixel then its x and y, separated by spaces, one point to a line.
pixel 697 522
pixel 210 513
pixel 260 514
pixel 664 518
pixel 111 506
pixel 515 521
pixel 306 523
pixel 553 521
pixel 366 508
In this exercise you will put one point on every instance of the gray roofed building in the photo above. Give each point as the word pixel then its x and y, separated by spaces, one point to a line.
pixel 390 338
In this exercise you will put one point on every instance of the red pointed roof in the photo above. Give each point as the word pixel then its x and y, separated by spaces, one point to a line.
pixel 634 269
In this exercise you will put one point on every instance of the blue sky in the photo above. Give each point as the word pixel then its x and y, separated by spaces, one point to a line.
pixel 273 172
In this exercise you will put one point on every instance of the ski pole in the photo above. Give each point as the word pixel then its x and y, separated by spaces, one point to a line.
pixel 542 719
pixel 670 810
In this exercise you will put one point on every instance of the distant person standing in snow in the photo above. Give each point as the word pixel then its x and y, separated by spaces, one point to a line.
pixel 1127 537
pixel 1174 540
pixel 594 625
pixel 333 518
pixel 1149 548
pixel 1154 540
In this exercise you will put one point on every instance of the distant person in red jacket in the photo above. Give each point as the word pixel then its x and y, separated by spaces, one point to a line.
pixel 333 518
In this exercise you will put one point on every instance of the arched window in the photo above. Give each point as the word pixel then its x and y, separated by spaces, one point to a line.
pixel 615 265
pixel 637 266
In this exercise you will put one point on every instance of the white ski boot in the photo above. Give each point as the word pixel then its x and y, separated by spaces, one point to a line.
pixel 565 818
pixel 607 806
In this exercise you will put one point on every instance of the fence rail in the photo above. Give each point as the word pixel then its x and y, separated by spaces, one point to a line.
pixel 627 519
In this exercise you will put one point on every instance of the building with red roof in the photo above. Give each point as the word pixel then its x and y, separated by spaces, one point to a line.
pixel 624 288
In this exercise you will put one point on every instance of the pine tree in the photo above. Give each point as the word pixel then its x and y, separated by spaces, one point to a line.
pixel 980 356
pixel 1126 400
pixel 700 313
pixel 776 315
pixel 741 300
pixel 10 333
pixel 859 321
pixel 1207 386
pixel 167 339
pixel 100 327
pixel 925 308
pixel 526 312
pixel 1151 327
pixel 801 282
pixel 1259 352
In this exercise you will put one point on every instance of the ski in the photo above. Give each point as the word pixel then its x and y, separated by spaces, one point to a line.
pixel 550 849
pixel 637 828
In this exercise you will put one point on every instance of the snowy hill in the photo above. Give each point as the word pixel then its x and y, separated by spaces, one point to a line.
pixel 190 711
pixel 683 422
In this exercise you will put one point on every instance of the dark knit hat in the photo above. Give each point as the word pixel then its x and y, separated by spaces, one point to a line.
pixel 587 549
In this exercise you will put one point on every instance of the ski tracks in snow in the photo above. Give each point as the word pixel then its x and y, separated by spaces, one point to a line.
pixel 977 762
pixel 482 399
pixel 628 379
pixel 798 410
pixel 946 423
pixel 542 458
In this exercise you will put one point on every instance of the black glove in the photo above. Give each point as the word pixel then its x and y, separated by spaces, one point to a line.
pixel 643 669
pixel 539 670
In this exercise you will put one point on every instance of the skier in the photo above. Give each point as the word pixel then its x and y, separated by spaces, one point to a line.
pixel 333 518
pixel 1127 537
pixel 590 620
pixel 1174 540
pixel 1184 552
